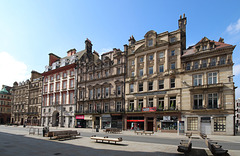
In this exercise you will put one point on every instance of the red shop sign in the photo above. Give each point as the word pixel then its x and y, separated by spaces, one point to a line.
pixel 135 120
pixel 149 109
pixel 79 116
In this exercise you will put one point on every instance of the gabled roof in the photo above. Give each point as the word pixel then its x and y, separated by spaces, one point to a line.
pixel 218 45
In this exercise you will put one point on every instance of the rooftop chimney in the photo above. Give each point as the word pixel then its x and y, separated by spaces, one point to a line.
pixel 71 52
pixel 53 58
pixel 88 46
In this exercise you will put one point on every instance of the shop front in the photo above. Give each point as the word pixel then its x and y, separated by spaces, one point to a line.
pixel 117 121
pixel 80 122
pixel 88 120
pixel 167 123
pixel 106 121
pixel 135 123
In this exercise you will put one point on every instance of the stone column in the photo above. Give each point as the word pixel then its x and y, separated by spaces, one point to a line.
pixel 145 66
pixel 166 102
pixel 126 105
pixel 155 101
pixel 100 120
pixel 155 123
pixel 93 122
pixel 135 104
pixel 155 64
pixel 136 67
pixel 145 123
pixel 166 63
pixel 144 101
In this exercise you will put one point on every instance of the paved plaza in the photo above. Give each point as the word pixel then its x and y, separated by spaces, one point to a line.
pixel 17 141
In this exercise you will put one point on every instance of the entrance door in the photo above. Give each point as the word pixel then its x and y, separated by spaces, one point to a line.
pixel 55 119
pixel 21 121
pixel 206 128
pixel 97 122
pixel 150 126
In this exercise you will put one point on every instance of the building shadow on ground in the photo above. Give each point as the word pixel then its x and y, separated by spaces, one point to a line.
pixel 11 144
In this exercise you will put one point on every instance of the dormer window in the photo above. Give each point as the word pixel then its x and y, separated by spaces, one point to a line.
pixel 204 47
pixel 150 42
pixel 212 46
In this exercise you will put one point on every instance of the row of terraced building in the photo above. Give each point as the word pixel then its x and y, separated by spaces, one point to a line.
pixel 155 84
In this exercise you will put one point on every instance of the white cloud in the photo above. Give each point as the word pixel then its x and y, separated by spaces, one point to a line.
pixel 236 69
pixel 234 28
pixel 12 70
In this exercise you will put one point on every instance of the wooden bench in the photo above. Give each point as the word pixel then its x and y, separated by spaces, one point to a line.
pixel 215 148
pixel 94 137
pixel 148 132
pixel 185 146
pixel 144 132
pixel 62 134
pixel 139 132
pixel 189 134
pixel 112 130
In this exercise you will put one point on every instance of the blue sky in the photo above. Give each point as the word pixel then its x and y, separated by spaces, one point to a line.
pixel 30 30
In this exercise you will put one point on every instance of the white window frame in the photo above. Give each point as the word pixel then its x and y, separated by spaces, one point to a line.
pixel 197 80
pixel 212 78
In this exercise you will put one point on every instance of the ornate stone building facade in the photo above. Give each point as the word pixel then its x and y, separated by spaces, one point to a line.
pixel 58 104
pixel 5 104
pixel 19 108
pixel 153 81
pixel 27 100
pixel 35 99
pixel 100 98
pixel 208 89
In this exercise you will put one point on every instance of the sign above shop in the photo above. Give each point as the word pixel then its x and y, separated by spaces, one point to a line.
pixel 80 117
pixel 166 118
pixel 151 93
pixel 149 109
pixel 88 117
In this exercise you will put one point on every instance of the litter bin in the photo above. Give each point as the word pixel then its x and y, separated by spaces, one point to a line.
pixel 97 129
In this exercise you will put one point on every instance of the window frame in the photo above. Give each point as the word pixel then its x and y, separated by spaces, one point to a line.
pixel 161 68
pixel 212 77
pixel 197 79
pixel 150 85
pixel 172 84
pixel 140 86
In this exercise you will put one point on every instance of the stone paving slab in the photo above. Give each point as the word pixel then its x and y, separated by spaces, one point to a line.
pixel 86 145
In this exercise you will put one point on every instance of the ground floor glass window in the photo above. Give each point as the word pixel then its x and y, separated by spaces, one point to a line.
pixel 220 124
pixel 192 124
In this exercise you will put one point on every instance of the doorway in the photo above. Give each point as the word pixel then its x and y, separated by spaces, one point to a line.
pixel 206 128
pixel 55 119
pixel 150 126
